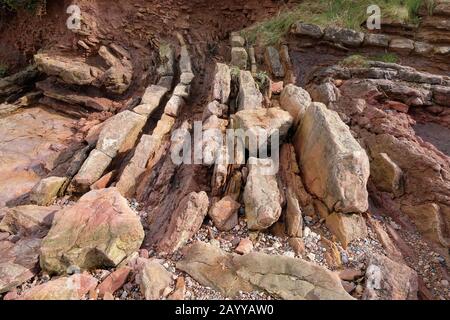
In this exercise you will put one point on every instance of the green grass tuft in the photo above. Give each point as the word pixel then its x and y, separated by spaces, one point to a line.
pixel 343 13
pixel 355 61
pixel 386 57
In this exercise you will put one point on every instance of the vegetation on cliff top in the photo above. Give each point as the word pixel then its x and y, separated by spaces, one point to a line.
pixel 343 13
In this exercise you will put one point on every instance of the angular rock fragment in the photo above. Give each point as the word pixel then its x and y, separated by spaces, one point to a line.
pixel 47 190
pixel 347 227
pixel 239 58
pixel 100 230
pixel 174 106
pixel 272 57
pixel 389 280
pixel 261 196
pixel 27 220
pixel 376 40
pixel 215 109
pixel 151 100
pixel 295 100
pixel 91 171
pixel 306 29
pixel 114 281
pixel 386 174
pixel 185 221
pixel 224 213
pixel 344 36
pixel 249 95
pixel 154 280
pixel 401 45
pixel 222 83
pixel 261 124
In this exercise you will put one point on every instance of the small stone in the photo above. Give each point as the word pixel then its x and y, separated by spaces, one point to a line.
pixel 245 246
pixel 444 283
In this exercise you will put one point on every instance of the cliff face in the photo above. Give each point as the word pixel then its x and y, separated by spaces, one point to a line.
pixel 96 174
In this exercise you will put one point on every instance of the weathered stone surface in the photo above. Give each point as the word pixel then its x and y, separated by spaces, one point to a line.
pixel 245 246
pixel 120 133
pixel 69 70
pixel 347 227
pixel 117 78
pixel 91 170
pixel 295 100
pixel 400 91
pixel 401 45
pixel 215 109
pixel 15 83
pixel 185 60
pixel 441 95
pixel 263 124
pixel 325 93
pixel 428 220
pixel 239 58
pixel 386 175
pixel 422 48
pixel 261 196
pixel 272 57
pixel 221 88
pixel 376 40
pixel 389 280
pixel 182 90
pixel 306 29
pixel 186 220
pixel 224 213
pixel 163 127
pixel 27 220
pixel 32 144
pixel 419 77
pixel 283 277
pixel 151 100
pixel 154 279
pixel 174 106
pixel 335 167
pixel 18 262
pixel 145 150
pixel 344 36
pixel 47 190
pixel 65 288
pixel 100 230
pixel 52 89
pixel 186 78
pixel 114 281
pixel 294 217
pixel 249 95
pixel 167 58
pixel 237 41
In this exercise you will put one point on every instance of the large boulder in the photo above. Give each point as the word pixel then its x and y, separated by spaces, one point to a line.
pixel 281 276
pixel 295 100
pixel 335 167
pixel 249 95
pixel 75 287
pixel 185 221
pixel 261 195
pixel 100 230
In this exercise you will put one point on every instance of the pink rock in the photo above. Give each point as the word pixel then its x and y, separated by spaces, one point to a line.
pixel 245 246
pixel 224 213
pixel 277 87
pixel 114 281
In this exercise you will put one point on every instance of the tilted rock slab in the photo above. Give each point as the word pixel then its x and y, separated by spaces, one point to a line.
pixel 120 133
pixel 221 88
pixel 185 221
pixel 295 100
pixel 281 276
pixel 100 230
pixel 27 220
pixel 335 167
pixel 261 195
pixel 69 70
